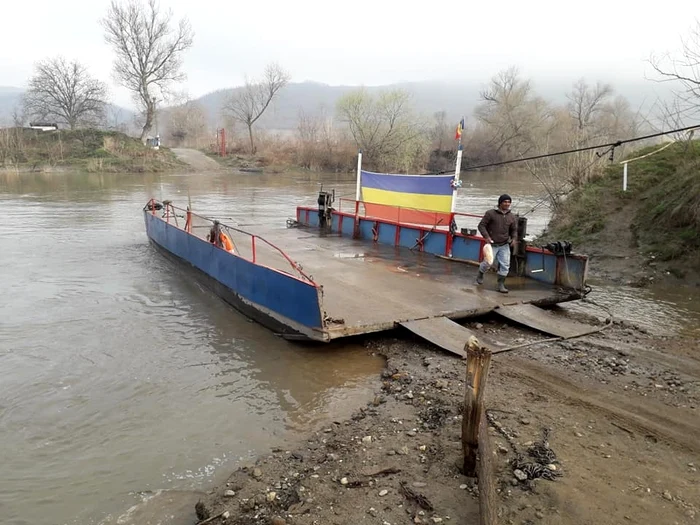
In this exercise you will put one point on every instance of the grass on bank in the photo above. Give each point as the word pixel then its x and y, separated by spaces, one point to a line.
pixel 83 149
pixel 661 208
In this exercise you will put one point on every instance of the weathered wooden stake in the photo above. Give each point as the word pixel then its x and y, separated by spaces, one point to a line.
pixel 478 361
pixel 487 483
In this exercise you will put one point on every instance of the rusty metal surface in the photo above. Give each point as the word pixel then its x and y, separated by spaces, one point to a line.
pixel 369 287
pixel 442 332
pixel 542 320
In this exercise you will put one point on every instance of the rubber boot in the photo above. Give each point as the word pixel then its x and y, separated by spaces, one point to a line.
pixel 502 284
pixel 480 278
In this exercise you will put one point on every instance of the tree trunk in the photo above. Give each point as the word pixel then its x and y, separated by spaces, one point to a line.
pixel 252 142
pixel 150 111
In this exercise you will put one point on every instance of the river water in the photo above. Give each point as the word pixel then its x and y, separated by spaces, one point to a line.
pixel 119 376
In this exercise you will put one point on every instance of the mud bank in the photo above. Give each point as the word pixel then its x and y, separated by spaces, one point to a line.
pixel 617 411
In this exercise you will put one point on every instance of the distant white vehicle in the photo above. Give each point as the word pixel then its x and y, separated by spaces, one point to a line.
pixel 43 126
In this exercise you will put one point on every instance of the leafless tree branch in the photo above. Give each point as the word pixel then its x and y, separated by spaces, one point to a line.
pixel 386 129
pixel 148 51
pixel 683 70
pixel 65 92
pixel 248 103
pixel 186 123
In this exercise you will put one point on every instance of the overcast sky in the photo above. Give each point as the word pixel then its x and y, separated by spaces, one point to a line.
pixel 364 41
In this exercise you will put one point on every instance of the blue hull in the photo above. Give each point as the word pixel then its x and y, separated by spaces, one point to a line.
pixel 277 300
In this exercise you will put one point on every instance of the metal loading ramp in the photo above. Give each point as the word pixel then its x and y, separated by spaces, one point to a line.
pixel 442 332
pixel 451 336
pixel 543 320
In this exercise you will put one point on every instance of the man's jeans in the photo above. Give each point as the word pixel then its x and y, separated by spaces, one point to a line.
pixel 501 254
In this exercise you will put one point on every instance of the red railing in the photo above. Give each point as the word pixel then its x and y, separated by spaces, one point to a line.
pixel 170 211
pixel 400 215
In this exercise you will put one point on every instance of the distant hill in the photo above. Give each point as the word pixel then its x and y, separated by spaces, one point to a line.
pixel 457 99
pixel 9 99
pixel 314 98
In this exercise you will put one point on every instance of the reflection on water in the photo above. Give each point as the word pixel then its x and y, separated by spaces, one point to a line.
pixel 660 310
pixel 119 374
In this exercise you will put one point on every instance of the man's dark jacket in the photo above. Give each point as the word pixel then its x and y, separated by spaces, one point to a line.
pixel 500 227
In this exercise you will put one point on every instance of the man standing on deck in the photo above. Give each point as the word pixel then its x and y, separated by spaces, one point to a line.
pixel 499 228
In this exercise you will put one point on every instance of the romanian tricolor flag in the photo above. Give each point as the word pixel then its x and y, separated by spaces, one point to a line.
pixel 460 128
pixel 418 199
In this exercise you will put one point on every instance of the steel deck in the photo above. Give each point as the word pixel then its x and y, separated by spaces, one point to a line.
pixel 371 287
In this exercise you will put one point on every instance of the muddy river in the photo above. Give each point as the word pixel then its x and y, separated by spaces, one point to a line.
pixel 120 377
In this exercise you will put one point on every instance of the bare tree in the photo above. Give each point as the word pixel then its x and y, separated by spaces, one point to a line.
pixel 590 118
pixel 440 132
pixel 671 115
pixel 308 139
pixel 19 116
pixel 587 107
pixel 114 119
pixel 187 123
pixel 511 115
pixel 585 102
pixel 683 70
pixel 385 128
pixel 595 118
pixel 65 92
pixel 149 51
pixel 247 104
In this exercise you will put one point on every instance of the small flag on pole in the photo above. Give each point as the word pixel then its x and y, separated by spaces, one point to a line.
pixel 460 127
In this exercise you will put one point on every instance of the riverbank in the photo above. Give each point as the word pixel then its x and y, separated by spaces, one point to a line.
pixel 252 163
pixel 94 151
pixel 649 233
pixel 618 410
pixel 285 158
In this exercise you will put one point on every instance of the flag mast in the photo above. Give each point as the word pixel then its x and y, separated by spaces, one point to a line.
pixel 359 176
pixel 458 165
pixel 358 195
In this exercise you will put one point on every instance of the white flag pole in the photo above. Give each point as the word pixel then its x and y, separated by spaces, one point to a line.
pixel 358 190
pixel 359 176
pixel 458 167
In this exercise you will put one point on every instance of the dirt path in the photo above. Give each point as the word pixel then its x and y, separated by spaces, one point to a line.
pixel 198 160
pixel 652 419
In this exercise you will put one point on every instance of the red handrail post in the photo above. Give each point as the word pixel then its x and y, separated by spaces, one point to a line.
pixel 356 226
pixel 293 264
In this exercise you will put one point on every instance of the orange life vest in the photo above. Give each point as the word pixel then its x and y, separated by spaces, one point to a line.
pixel 226 241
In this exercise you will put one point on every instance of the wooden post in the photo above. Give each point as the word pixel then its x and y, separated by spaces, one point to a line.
pixel 478 361
pixel 487 483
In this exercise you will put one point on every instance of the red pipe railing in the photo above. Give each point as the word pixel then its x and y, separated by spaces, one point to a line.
pixel 253 237
pixel 403 215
